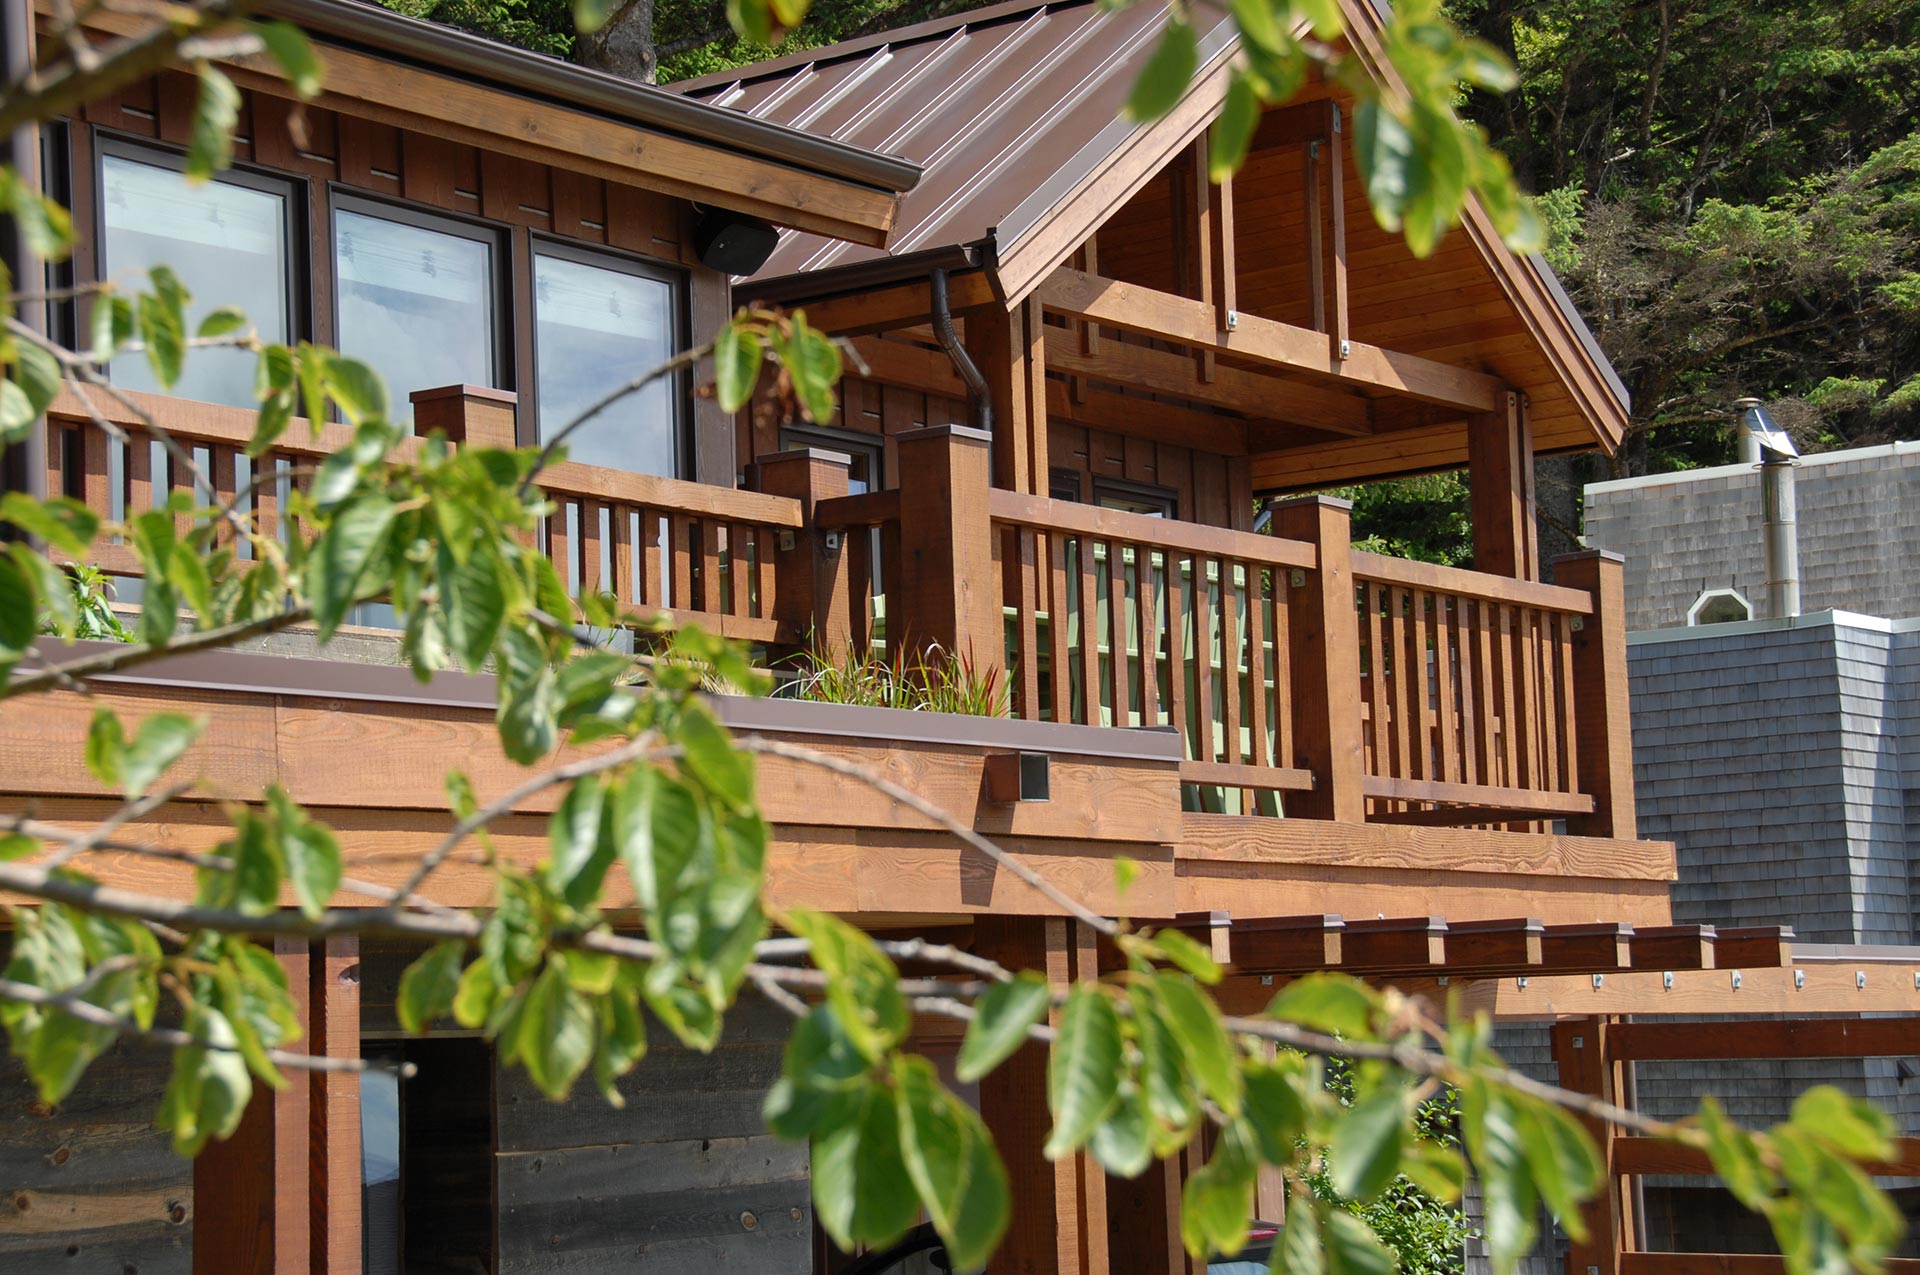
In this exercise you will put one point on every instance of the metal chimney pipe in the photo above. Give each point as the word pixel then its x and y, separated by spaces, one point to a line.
pixel 1783 536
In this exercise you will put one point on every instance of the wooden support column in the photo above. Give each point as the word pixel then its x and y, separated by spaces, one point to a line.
pixel 251 1211
pixel 1602 731
pixel 947 592
pixel 1337 333
pixel 1226 281
pixel 1580 1052
pixel 1197 226
pixel 1059 1208
pixel 1325 667
pixel 812 590
pixel 1007 347
pixel 334 1012
pixel 1500 475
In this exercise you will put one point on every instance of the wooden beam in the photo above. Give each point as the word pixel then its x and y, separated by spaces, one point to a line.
pixel 996 341
pixel 1754 946
pixel 1264 945
pixel 1339 343
pixel 1226 271
pixel 1640 1155
pixel 1672 947
pixel 1732 1264
pixel 1262 395
pixel 1265 341
pixel 1585 1065
pixel 904 305
pixel 1789 1038
pixel 1135 417
pixel 1809 989
pixel 906 364
pixel 1385 943
pixel 1294 125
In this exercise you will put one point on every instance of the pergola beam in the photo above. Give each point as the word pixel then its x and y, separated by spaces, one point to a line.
pixel 1266 341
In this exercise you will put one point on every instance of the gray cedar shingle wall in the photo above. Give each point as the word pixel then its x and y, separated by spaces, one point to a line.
pixel 1859 521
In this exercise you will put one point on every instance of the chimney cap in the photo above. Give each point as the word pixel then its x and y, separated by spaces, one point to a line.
pixel 1776 445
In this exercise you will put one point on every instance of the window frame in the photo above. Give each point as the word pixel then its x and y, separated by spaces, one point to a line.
pixel 837 438
pixel 679 282
pixel 1141 493
pixel 496 235
pixel 293 189
pixel 1708 597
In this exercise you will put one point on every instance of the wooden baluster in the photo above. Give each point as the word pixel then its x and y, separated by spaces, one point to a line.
pixel 1117 625
pixel 713 582
pixel 1400 639
pixel 1510 729
pixel 1549 703
pixel 1148 620
pixel 653 573
pixel 1060 660
pixel 620 525
pixel 1258 608
pixel 55 476
pixel 892 571
pixel 560 543
pixel 1569 736
pixel 1177 654
pixel 679 550
pixel 1230 658
pixel 1422 688
pixel 1283 745
pixel 266 497
pixel 1378 597
pixel 221 469
pixel 740 568
pixel 1203 612
pixel 764 542
pixel 1486 723
pixel 859 541
pixel 1446 716
pixel 139 475
pixel 1090 684
pixel 590 581
pixel 1027 626
pixel 1527 707
pixel 95 488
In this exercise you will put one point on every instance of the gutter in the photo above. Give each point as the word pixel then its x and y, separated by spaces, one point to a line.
pixel 378 30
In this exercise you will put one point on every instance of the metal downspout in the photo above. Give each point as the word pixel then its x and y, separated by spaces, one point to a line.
pixel 950 342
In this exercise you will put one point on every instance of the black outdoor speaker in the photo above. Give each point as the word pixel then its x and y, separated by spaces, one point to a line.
pixel 731 242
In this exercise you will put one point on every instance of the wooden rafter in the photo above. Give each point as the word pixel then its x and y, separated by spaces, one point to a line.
pixel 1287 400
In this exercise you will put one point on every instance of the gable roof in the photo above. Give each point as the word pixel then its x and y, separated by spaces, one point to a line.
pixel 1014 114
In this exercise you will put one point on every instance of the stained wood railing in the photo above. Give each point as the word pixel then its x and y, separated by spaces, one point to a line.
pixel 1122 619
pixel 1467 690
pixel 687 550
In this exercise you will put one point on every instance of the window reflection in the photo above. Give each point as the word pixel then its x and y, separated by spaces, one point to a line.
pixel 228 244
pixel 597 328
pixel 416 304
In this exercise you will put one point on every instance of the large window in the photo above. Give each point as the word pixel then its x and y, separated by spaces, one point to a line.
pixel 229 240
pixel 419 298
pixel 600 322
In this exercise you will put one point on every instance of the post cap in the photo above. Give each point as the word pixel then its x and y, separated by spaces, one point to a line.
pixel 826 454
pixel 960 433
pixel 485 393
pixel 1315 500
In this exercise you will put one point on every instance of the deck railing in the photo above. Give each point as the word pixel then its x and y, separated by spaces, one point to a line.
pixel 1306 679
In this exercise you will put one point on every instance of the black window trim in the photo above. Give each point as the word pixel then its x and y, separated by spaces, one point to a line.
pixel 496 235
pixel 294 190
pixel 677 278
pixel 1145 493
pixel 839 438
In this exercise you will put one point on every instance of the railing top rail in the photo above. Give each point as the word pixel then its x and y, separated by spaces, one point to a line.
pixel 195 422
pixel 1474 584
pixel 863 510
pixel 1074 518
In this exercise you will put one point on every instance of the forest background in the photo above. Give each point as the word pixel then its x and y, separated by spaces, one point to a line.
pixel 1732 188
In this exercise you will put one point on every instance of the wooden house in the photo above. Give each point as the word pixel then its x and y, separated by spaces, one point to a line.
pixel 1090 388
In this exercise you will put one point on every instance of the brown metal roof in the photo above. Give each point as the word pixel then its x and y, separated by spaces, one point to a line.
pixel 1006 109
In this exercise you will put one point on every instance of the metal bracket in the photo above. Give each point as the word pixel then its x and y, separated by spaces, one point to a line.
pixel 1266 980
pixel 1666 980
pixel 1233 320
pixel 1579 624
pixel 1800 980
pixel 786 542
pixel 1860 980
pixel 1599 981
pixel 1736 980
pixel 1443 980
pixel 1522 981
pixel 1298 579
pixel 1346 349
pixel 832 541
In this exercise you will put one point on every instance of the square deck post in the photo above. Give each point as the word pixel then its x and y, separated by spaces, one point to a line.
pixel 948 591
pixel 1602 728
pixel 1325 661
pixel 811 592
pixel 470 414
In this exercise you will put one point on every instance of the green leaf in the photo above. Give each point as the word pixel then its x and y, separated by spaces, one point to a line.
pixel 288 45
pixel 1277 1103
pixel 1187 954
pixel 1735 1157
pixel 65 524
pixel 1164 79
pixel 55 590
pixel 712 758
pixel 580 854
pixel 1218 1198
pixel 1352 1247
pixel 1855 1128
pixel 209 1089
pixel 340 564
pixel 861 982
pixel 737 355
pixel 1297 1250
pixel 1123 1144
pixel 1001 1018
pixel 217 111
pixel 163 325
pixel 58 1054
pixel 357 388
pixel 222 322
pixel 1194 1022
pixel 933 1139
pixel 1263 22
pixel 110 324
pixel 311 854
pixel 1565 1166
pixel 1083 1073
pixel 106 746
pixel 475 601
pixel 1232 131
pixel 17 845
pixel 657 831
pixel 557 1033
pixel 1325 16
pixel 43 223
pixel 474 1000
pixel 1171 1100
pixel 1386 153
pixel 428 985
pixel 813 365
pixel 1331 1003
pixel 752 19
pixel 623 1041
pixel 1367 1144
pixel 159 742
pixel 862 1191
pixel 36 380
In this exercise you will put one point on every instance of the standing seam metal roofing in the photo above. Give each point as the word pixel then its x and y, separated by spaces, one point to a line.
pixel 1005 109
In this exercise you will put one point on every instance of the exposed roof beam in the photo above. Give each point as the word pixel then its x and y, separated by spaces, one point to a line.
pixel 1290 401
pixel 1266 341
pixel 1145 418
pixel 901 306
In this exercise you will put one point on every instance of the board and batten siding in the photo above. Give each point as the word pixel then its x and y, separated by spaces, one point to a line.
pixel 685 1177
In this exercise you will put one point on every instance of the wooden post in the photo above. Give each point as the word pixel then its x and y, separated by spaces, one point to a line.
pixel 1325 667
pixel 1500 475
pixel 812 591
pixel 948 592
pixel 1580 1052
pixel 1601 726
pixel 334 1011
pixel 470 414
pixel 251 1212
pixel 1007 348
pixel 1059 1208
